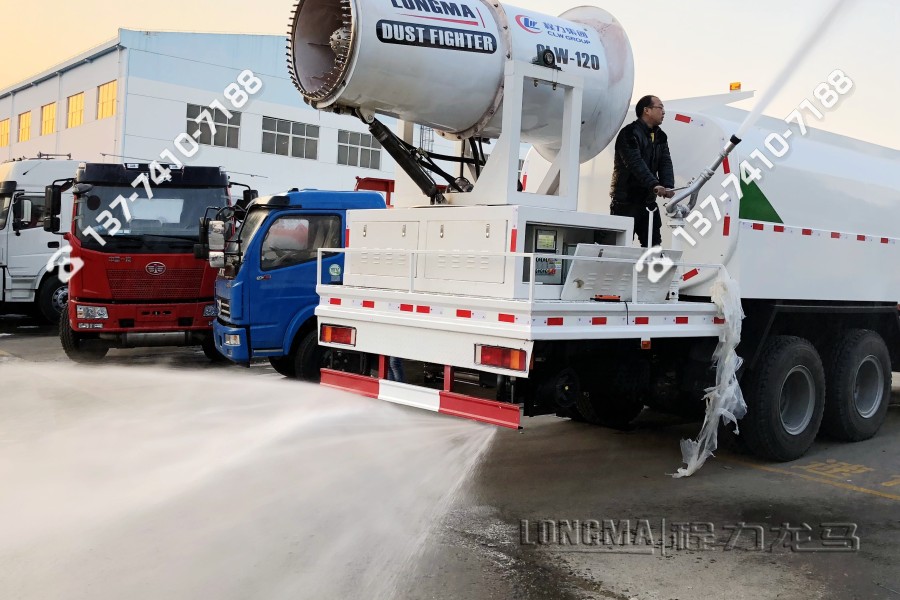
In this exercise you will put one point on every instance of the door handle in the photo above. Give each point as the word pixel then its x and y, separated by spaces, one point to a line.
pixel 53 244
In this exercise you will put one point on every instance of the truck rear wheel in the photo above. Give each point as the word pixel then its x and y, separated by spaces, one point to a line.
pixel 309 357
pixel 599 408
pixel 52 298
pixel 74 346
pixel 283 365
pixel 565 387
pixel 785 399
pixel 859 386
pixel 614 395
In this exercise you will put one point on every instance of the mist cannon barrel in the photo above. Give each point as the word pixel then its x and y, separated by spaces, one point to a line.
pixel 441 64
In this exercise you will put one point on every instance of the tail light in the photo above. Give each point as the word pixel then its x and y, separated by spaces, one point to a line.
pixel 332 334
pixel 504 358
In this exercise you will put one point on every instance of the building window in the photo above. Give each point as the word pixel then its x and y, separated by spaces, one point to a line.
pixel 4 133
pixel 358 150
pixel 25 127
pixel 48 119
pixel 289 138
pixel 227 131
pixel 106 99
pixel 75 111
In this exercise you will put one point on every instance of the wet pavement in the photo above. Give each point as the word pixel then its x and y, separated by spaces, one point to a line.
pixel 557 510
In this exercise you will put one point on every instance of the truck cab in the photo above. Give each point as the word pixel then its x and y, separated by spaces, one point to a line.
pixel 25 247
pixel 133 279
pixel 266 289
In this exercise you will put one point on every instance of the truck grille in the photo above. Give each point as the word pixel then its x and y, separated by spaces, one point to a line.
pixel 224 307
pixel 174 284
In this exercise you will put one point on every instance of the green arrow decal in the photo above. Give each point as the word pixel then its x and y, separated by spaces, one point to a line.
pixel 755 206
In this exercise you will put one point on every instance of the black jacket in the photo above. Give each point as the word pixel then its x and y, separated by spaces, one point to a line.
pixel 640 165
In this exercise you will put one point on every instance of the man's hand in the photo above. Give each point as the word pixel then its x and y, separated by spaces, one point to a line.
pixel 662 191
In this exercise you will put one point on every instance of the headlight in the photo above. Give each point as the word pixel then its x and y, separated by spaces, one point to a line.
pixel 91 312
pixel 210 310
pixel 232 340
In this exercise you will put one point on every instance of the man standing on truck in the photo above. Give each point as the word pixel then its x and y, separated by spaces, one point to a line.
pixel 642 169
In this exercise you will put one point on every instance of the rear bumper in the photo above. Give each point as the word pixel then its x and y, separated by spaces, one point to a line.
pixel 445 402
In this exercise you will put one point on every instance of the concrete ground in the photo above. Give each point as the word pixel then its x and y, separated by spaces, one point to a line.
pixel 541 513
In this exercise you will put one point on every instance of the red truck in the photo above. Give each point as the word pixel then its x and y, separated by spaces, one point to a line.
pixel 134 280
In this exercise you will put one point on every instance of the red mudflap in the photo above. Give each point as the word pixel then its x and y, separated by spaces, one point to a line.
pixel 351 382
pixel 478 409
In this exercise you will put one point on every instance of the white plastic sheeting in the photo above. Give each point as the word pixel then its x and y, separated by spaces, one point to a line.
pixel 725 399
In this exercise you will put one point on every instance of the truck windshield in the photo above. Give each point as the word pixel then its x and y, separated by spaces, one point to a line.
pixel 5 202
pixel 166 223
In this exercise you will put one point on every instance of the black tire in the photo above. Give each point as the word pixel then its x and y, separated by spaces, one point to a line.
pixel 284 365
pixel 785 396
pixel 614 411
pixel 309 357
pixel 52 298
pixel 211 352
pixel 565 388
pixel 74 346
pixel 614 393
pixel 858 387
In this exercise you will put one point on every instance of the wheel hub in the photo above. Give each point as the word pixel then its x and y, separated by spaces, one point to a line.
pixel 60 298
pixel 798 400
pixel 868 387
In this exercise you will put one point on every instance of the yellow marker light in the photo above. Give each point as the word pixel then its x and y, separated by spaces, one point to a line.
pixel 735 86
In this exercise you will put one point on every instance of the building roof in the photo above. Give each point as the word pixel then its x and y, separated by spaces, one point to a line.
pixel 85 57
pixel 123 40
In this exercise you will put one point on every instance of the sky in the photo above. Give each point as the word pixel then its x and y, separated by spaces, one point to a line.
pixel 681 49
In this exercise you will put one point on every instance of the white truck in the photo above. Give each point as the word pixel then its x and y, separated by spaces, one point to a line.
pixel 556 303
pixel 24 245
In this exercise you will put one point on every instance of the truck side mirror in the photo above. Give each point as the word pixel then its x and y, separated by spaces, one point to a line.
pixel 21 210
pixel 249 196
pixel 53 202
pixel 53 199
pixel 51 224
pixel 18 210
pixel 201 250
pixel 216 236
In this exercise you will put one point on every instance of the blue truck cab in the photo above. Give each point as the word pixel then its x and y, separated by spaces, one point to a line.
pixel 266 295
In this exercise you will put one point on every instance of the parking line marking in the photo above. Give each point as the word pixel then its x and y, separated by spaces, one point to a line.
pixel 831 482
